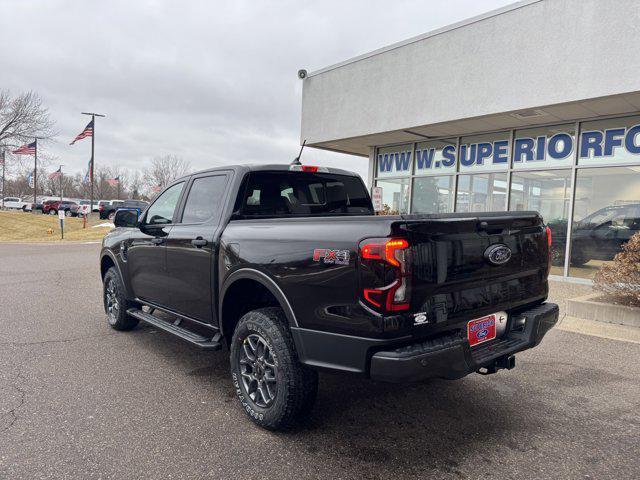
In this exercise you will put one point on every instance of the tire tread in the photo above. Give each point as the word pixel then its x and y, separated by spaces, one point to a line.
pixel 301 382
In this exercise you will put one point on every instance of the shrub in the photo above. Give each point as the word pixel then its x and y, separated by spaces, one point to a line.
pixel 621 278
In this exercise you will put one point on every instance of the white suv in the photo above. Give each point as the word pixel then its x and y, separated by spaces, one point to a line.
pixel 16 203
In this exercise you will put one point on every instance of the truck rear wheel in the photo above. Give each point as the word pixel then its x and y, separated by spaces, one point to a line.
pixel 115 302
pixel 273 387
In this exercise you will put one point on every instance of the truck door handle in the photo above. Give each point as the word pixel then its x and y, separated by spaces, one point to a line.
pixel 157 241
pixel 199 242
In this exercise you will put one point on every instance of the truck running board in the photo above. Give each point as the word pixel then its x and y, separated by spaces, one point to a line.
pixel 175 329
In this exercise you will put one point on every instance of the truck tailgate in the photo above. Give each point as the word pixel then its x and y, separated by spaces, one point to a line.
pixel 454 274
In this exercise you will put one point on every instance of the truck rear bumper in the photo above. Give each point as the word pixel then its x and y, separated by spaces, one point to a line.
pixel 451 357
pixel 446 356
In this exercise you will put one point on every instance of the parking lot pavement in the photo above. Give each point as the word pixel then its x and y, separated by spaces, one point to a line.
pixel 78 400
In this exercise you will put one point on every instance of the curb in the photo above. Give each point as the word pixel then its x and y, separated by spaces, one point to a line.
pixel 585 307
pixel 594 328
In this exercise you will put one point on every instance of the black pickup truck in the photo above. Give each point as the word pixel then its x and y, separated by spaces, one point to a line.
pixel 290 269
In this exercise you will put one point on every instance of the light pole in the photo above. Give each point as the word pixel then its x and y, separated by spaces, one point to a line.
pixel 35 175
pixel 61 183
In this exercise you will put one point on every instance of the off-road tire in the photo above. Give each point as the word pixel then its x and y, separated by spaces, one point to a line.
pixel 296 384
pixel 116 317
pixel 53 211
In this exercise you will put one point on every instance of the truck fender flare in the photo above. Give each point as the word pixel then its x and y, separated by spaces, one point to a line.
pixel 265 281
pixel 114 259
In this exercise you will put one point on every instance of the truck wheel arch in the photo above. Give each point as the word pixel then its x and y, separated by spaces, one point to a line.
pixel 248 280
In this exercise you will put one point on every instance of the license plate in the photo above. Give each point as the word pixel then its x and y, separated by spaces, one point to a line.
pixel 481 330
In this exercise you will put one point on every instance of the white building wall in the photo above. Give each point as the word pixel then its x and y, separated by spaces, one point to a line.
pixel 539 53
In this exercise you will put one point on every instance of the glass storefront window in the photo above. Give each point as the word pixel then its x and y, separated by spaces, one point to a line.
pixel 612 141
pixel 606 215
pixel 482 192
pixel 432 194
pixel 469 174
pixel 549 193
pixel 395 195
pixel 481 153
pixel 544 147
pixel 435 157
pixel 394 161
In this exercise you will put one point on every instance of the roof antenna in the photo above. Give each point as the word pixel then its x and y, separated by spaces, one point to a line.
pixel 296 161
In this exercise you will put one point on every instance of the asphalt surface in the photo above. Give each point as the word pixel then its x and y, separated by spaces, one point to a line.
pixel 78 400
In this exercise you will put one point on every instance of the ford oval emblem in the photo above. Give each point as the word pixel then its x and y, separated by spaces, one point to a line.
pixel 482 333
pixel 497 254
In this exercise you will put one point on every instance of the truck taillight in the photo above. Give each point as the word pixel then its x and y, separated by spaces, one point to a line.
pixel 386 275
pixel 549 241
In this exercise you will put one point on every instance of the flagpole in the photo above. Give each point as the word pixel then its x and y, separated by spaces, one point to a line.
pixel 35 175
pixel 93 136
pixel 93 139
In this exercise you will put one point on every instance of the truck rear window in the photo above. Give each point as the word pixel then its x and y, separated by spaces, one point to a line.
pixel 304 194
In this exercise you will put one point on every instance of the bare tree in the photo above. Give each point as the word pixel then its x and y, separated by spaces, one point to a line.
pixel 165 169
pixel 19 185
pixel 136 185
pixel 22 118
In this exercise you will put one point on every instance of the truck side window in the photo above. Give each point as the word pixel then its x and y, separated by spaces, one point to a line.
pixel 205 198
pixel 161 212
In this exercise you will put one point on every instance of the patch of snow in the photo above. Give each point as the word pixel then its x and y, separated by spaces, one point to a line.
pixel 105 224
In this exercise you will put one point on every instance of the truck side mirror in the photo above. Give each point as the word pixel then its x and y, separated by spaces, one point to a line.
pixel 126 218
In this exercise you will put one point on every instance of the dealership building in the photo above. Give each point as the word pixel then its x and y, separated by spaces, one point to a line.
pixel 535 106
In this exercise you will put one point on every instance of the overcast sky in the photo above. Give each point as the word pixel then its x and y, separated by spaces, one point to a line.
pixel 213 82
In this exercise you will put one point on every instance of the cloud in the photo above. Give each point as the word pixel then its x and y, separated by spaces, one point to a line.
pixel 213 82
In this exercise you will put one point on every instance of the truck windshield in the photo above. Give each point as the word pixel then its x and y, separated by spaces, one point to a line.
pixel 304 194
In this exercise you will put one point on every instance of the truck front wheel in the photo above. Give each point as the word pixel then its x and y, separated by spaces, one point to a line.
pixel 115 302
pixel 273 387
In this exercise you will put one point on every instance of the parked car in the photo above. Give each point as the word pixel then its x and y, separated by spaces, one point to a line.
pixel 51 207
pixel 47 206
pixel 108 209
pixel 41 200
pixel 290 269
pixel 137 205
pixel 16 203
pixel 84 207
pixel 598 236
pixel 96 205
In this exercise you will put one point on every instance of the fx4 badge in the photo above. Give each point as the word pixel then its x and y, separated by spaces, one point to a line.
pixel 326 255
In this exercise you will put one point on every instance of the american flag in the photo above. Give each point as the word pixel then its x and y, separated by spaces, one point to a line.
pixel 56 174
pixel 29 149
pixel 113 181
pixel 87 132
